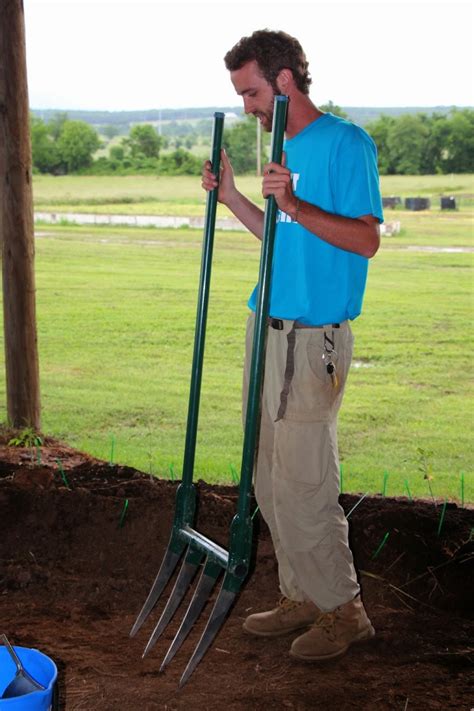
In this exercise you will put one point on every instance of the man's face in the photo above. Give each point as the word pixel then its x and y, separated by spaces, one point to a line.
pixel 258 95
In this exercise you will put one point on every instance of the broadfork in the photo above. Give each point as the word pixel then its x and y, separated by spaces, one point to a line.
pixel 185 540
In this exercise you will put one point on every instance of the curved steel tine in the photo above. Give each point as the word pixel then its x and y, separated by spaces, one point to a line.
pixel 165 572
pixel 186 574
pixel 215 622
pixel 201 595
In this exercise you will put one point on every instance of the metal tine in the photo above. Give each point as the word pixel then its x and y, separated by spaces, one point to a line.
pixel 165 572
pixel 216 620
pixel 185 576
pixel 201 596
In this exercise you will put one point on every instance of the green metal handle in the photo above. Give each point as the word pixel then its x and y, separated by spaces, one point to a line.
pixel 241 529
pixel 185 499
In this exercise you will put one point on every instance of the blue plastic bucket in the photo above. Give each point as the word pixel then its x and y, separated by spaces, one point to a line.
pixel 41 668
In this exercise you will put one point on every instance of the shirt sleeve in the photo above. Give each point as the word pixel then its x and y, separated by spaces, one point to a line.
pixel 355 176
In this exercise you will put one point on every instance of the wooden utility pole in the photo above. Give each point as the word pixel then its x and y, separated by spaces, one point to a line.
pixel 16 224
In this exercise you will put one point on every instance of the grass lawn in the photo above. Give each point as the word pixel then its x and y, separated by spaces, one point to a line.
pixel 116 310
pixel 182 195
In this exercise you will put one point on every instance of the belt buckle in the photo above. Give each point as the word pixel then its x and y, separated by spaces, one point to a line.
pixel 276 323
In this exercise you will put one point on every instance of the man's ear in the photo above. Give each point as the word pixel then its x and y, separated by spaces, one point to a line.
pixel 284 80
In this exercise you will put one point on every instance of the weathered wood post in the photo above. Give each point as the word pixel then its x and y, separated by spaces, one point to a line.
pixel 16 224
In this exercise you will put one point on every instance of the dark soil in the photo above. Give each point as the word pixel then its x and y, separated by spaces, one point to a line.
pixel 75 570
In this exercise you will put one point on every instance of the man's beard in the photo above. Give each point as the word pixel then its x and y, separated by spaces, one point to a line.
pixel 266 117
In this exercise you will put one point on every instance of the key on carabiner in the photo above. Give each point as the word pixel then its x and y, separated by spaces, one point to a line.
pixel 331 370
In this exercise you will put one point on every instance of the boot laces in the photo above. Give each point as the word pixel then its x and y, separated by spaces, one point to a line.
pixel 326 622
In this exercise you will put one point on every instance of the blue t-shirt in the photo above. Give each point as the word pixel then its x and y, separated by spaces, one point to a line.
pixel 334 166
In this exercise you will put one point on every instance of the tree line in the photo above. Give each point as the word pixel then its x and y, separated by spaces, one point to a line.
pixel 422 144
pixel 409 144
pixel 62 146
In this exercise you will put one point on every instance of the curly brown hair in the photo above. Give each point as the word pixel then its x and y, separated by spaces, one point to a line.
pixel 273 51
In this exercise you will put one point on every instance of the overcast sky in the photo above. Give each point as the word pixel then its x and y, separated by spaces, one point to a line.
pixel 137 54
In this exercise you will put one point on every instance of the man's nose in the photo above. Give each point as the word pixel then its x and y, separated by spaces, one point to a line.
pixel 248 106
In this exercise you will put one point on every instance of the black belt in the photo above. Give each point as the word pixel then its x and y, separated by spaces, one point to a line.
pixel 277 324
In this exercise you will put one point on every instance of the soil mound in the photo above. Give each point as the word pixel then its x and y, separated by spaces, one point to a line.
pixel 77 561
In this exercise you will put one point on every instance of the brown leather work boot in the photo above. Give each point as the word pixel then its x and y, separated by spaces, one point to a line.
pixel 333 633
pixel 287 616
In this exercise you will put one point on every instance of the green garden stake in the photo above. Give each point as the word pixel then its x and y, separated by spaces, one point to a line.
pixel 63 475
pixel 112 451
pixel 38 455
pixel 124 513
pixel 441 518
pixel 384 487
pixel 234 475
pixel 383 542
pixel 255 512
pixel 462 488
pixel 408 490
pixel 172 474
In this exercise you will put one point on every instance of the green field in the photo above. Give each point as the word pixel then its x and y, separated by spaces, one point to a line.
pixel 116 310
pixel 162 195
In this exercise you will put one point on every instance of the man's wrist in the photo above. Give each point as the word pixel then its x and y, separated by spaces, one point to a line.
pixel 296 212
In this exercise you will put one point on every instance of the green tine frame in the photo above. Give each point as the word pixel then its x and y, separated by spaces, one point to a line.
pixel 236 561
pixel 186 492
pixel 240 543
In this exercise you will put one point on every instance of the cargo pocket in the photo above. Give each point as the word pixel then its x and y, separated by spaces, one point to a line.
pixel 317 357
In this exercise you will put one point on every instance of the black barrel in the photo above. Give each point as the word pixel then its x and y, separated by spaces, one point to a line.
pixel 417 203
pixel 391 202
pixel 448 203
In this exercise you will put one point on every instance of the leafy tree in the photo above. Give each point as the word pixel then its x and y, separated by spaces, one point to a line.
pixel 334 109
pixel 380 131
pixel 76 145
pixel 180 162
pixel 241 145
pixel 55 126
pixel 435 143
pixel 117 153
pixel 144 140
pixel 459 147
pixel 110 131
pixel 190 141
pixel 44 151
pixel 421 144
pixel 406 143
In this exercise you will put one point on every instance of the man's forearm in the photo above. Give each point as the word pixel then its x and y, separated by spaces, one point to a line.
pixel 248 213
pixel 359 235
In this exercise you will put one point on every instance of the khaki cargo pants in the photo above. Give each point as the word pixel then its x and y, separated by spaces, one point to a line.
pixel 297 471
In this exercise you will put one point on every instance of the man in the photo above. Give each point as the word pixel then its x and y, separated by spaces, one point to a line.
pixel 327 228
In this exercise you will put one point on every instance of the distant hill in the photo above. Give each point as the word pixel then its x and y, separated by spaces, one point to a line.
pixel 364 115
pixel 123 119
